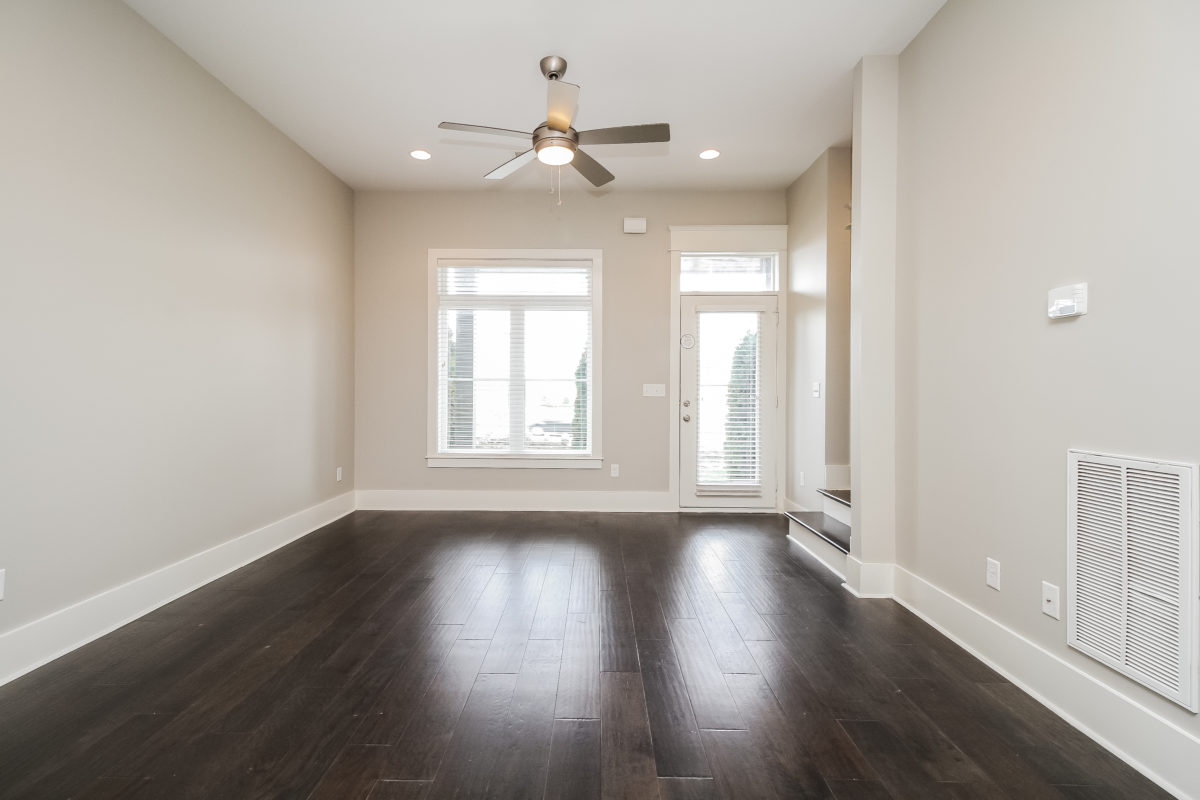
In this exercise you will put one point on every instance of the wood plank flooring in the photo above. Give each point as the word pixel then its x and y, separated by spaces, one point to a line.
pixel 536 655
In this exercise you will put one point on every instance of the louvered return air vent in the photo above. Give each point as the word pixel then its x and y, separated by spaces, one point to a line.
pixel 1132 583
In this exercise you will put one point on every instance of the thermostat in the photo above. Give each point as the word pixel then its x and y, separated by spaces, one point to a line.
pixel 1067 301
pixel 635 224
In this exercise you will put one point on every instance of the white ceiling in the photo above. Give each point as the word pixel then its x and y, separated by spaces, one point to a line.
pixel 360 83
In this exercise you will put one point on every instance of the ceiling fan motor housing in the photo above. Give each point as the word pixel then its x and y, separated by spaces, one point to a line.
pixel 545 136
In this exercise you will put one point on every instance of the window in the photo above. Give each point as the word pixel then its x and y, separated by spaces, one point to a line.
pixel 728 273
pixel 516 373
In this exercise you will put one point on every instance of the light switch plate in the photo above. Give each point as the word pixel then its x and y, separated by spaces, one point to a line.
pixel 654 390
pixel 2 583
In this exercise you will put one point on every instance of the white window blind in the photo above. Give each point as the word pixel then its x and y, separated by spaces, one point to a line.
pixel 729 420
pixel 515 374
pixel 727 273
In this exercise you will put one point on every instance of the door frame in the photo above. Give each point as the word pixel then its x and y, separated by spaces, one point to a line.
pixel 729 239
pixel 766 304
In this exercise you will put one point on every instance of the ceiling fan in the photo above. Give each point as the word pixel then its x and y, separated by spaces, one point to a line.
pixel 555 142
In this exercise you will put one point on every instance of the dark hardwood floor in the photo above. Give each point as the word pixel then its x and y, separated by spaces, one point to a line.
pixel 531 655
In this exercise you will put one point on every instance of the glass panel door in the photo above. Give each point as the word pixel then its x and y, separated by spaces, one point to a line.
pixel 727 401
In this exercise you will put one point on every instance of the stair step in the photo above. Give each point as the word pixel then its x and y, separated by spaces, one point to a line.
pixel 840 495
pixel 824 526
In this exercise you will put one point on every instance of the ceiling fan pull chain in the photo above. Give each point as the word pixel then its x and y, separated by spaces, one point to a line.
pixel 558 178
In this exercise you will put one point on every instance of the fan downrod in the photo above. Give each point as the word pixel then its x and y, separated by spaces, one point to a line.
pixel 553 67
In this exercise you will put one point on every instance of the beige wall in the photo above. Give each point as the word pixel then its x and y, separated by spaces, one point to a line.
pixel 837 309
pixel 394 231
pixel 176 302
pixel 807 219
pixel 818 329
pixel 1042 144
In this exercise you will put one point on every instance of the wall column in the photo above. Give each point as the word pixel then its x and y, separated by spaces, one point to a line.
pixel 873 326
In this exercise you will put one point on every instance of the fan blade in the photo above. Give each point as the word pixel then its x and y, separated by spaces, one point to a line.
pixel 511 166
pixel 562 101
pixel 627 134
pixel 458 126
pixel 590 168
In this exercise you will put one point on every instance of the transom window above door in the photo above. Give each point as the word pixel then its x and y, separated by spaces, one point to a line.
pixel 514 351
pixel 728 273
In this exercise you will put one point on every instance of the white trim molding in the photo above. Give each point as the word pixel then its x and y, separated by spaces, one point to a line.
pixel 830 557
pixel 728 239
pixel 512 462
pixel 1147 741
pixel 440 457
pixel 506 500
pixel 869 578
pixel 36 643
pixel 1141 737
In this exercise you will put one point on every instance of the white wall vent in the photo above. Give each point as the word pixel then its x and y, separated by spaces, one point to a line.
pixel 1132 572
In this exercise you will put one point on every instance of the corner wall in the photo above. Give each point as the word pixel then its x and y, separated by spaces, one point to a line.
pixel 1043 144
pixel 807 209
pixel 818 328
pixel 176 311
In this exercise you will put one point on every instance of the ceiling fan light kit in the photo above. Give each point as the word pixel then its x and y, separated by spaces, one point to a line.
pixel 554 147
pixel 555 141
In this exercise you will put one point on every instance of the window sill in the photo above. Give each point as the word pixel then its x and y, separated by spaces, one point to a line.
pixel 515 462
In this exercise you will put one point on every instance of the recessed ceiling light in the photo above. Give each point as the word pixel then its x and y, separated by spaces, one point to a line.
pixel 710 154
pixel 421 155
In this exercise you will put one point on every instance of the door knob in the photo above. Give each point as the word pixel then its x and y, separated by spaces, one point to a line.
pixel 687 417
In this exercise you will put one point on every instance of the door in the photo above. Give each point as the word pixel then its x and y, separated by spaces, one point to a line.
pixel 727 401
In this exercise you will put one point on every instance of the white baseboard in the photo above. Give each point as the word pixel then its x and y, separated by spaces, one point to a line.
pixel 503 500
pixel 1150 743
pixel 43 640
pixel 869 578
pixel 830 557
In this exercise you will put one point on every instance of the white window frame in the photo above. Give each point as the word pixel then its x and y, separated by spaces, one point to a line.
pixel 592 460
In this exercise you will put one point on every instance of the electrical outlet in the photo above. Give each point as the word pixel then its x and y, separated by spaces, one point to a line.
pixel 993 574
pixel 1050 600
pixel 339 473
pixel 614 470
pixel 2 583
